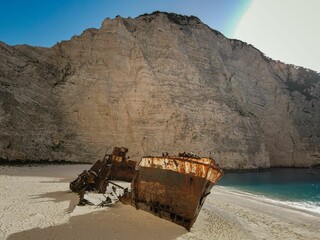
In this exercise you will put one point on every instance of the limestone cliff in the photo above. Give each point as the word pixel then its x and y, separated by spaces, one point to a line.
pixel 157 83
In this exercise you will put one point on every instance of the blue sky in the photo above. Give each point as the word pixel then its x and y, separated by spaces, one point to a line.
pixel 285 30
pixel 44 23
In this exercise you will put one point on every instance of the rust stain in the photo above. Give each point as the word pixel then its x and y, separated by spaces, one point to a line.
pixel 174 188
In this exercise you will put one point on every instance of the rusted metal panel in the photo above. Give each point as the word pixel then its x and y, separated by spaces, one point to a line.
pixel 174 188
pixel 202 167
pixel 123 171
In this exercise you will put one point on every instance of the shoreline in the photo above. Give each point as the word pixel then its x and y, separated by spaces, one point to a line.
pixel 35 203
pixel 294 205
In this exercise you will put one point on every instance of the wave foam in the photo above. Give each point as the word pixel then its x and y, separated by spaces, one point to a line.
pixel 306 206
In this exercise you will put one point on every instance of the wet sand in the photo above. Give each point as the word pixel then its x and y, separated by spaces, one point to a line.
pixel 35 203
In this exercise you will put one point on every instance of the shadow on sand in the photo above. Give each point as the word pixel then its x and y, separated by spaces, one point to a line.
pixel 60 196
pixel 117 222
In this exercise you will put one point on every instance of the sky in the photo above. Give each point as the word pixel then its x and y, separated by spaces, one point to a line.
pixel 284 30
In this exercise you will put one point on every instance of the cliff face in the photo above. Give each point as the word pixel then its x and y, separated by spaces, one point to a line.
pixel 157 83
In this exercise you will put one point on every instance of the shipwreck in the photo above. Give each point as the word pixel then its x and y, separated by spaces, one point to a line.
pixel 171 187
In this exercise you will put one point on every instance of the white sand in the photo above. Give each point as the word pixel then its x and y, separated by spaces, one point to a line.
pixel 35 203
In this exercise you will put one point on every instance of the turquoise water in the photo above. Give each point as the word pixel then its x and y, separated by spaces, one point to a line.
pixel 295 186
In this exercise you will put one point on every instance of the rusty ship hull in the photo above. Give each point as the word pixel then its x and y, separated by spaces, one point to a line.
pixel 174 188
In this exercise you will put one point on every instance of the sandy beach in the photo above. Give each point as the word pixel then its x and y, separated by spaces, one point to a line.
pixel 35 203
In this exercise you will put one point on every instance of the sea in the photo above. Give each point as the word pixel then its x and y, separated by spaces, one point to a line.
pixel 294 187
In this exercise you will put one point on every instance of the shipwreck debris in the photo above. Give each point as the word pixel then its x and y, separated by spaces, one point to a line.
pixel 113 166
pixel 171 187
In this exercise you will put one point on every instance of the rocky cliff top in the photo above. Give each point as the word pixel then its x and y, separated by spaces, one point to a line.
pixel 161 82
